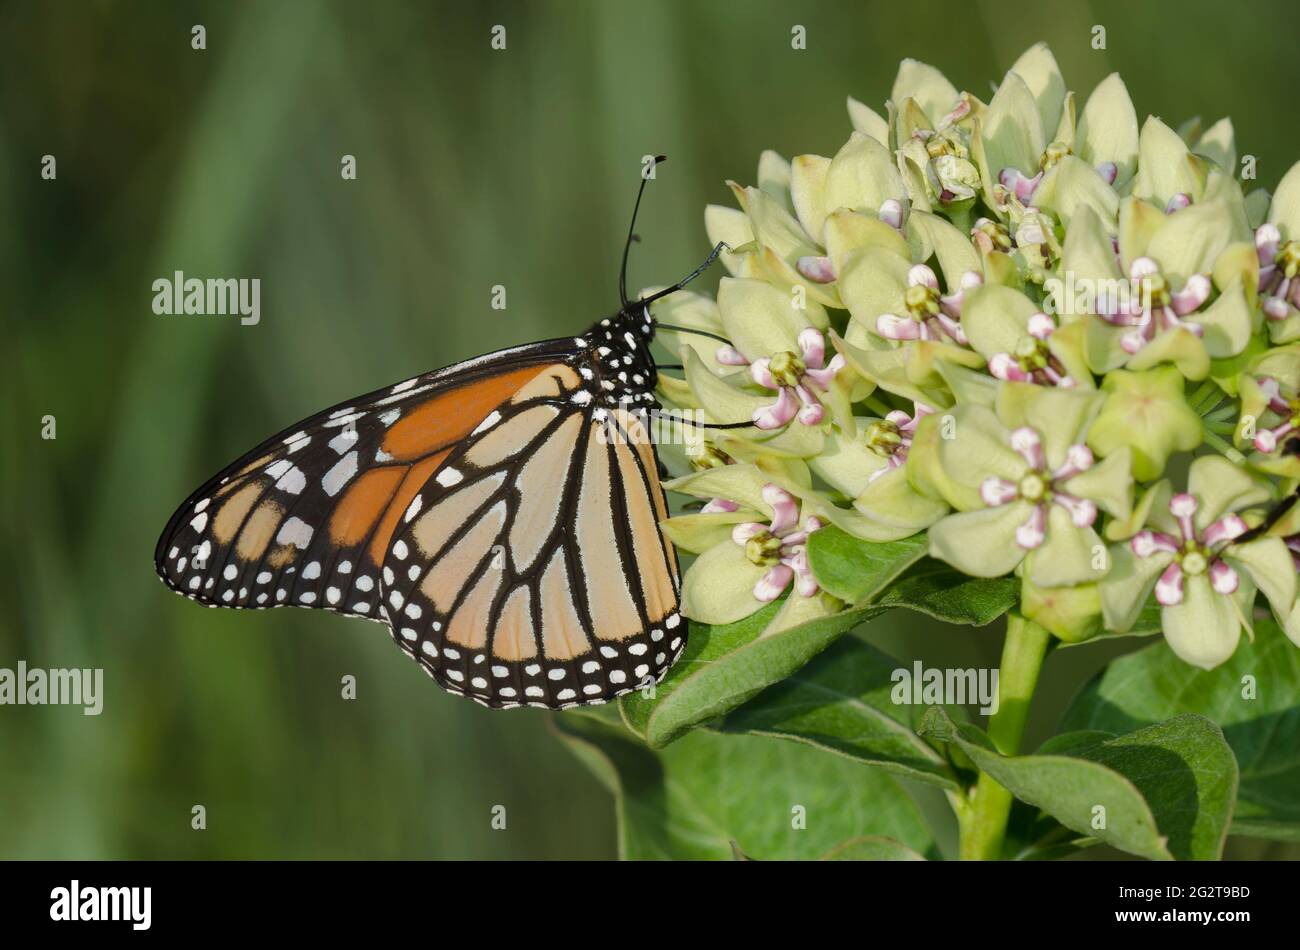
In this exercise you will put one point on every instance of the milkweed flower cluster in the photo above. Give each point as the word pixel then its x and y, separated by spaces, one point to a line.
pixel 1063 343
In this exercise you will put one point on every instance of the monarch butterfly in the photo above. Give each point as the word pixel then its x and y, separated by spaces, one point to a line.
pixel 500 515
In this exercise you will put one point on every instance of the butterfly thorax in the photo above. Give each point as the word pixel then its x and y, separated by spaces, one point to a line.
pixel 616 359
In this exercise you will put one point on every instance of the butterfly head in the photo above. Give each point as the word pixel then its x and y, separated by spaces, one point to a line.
pixel 619 358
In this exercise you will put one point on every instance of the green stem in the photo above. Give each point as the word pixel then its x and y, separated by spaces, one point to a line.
pixel 984 825
pixel 1216 441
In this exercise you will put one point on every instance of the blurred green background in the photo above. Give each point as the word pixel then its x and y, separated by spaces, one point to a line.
pixel 475 167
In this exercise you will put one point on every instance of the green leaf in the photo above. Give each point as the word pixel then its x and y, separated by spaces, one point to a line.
pixel 931 587
pixel 855 570
pixel 1264 732
pixel 1168 789
pixel 713 797
pixel 872 848
pixel 723 666
pixel 841 701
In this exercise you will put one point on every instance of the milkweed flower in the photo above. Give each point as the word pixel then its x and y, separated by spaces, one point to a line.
pixel 930 315
pixel 798 379
pixel 1203 579
pixel 1032 311
pixel 1027 488
pixel 780 546
pixel 751 541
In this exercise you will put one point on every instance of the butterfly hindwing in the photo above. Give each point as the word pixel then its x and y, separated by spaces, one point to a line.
pixel 530 567
pixel 306 518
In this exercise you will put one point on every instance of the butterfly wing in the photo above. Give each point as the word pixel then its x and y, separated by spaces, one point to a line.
pixel 305 518
pixel 530 567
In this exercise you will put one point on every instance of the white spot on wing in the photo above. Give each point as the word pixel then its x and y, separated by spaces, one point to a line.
pixel 343 441
pixel 295 531
pixel 492 419
pixel 447 477
pixel 340 474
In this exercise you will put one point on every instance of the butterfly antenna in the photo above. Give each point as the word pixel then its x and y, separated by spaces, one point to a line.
pixel 676 329
pixel 708 262
pixel 647 172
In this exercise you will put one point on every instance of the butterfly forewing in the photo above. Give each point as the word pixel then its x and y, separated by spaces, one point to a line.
pixel 530 567
pixel 306 518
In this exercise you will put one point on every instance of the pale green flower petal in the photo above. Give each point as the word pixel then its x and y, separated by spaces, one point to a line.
pixel 1147 412
pixel 1138 223
pixel 1192 239
pixel 995 318
pixel 892 501
pixel 1071 185
pixel 901 522
pixel 846 464
pixel 862 176
pixel 1218 144
pixel 807 189
pixel 1011 132
pixel 773 225
pixel 798 610
pixel 1069 345
pixel 774 178
pixel 953 249
pixel 697 311
pixel 1179 346
pixel 741 483
pixel 1108 129
pixel 759 319
pixel 1204 629
pixel 868 121
pixel 1166 167
pixel 1238 263
pixel 1227 322
pixel 981 449
pixel 676 392
pixel 731 227
pixel 1109 483
pixel 1257 202
pixel 887 366
pixel 1086 256
pixel 1065 129
pixel 1268 561
pixel 981 543
pixel 872 281
pixel 1284 331
pixel 927 85
pixel 1222 487
pixel 1128 584
pixel 1152 508
pixel 848 231
pixel 719 587
pixel 1069 556
pixel 812 297
pixel 697 533
pixel 1037 67
pixel 1060 415
pixel 968 385
pixel 1285 209
pixel 925 469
